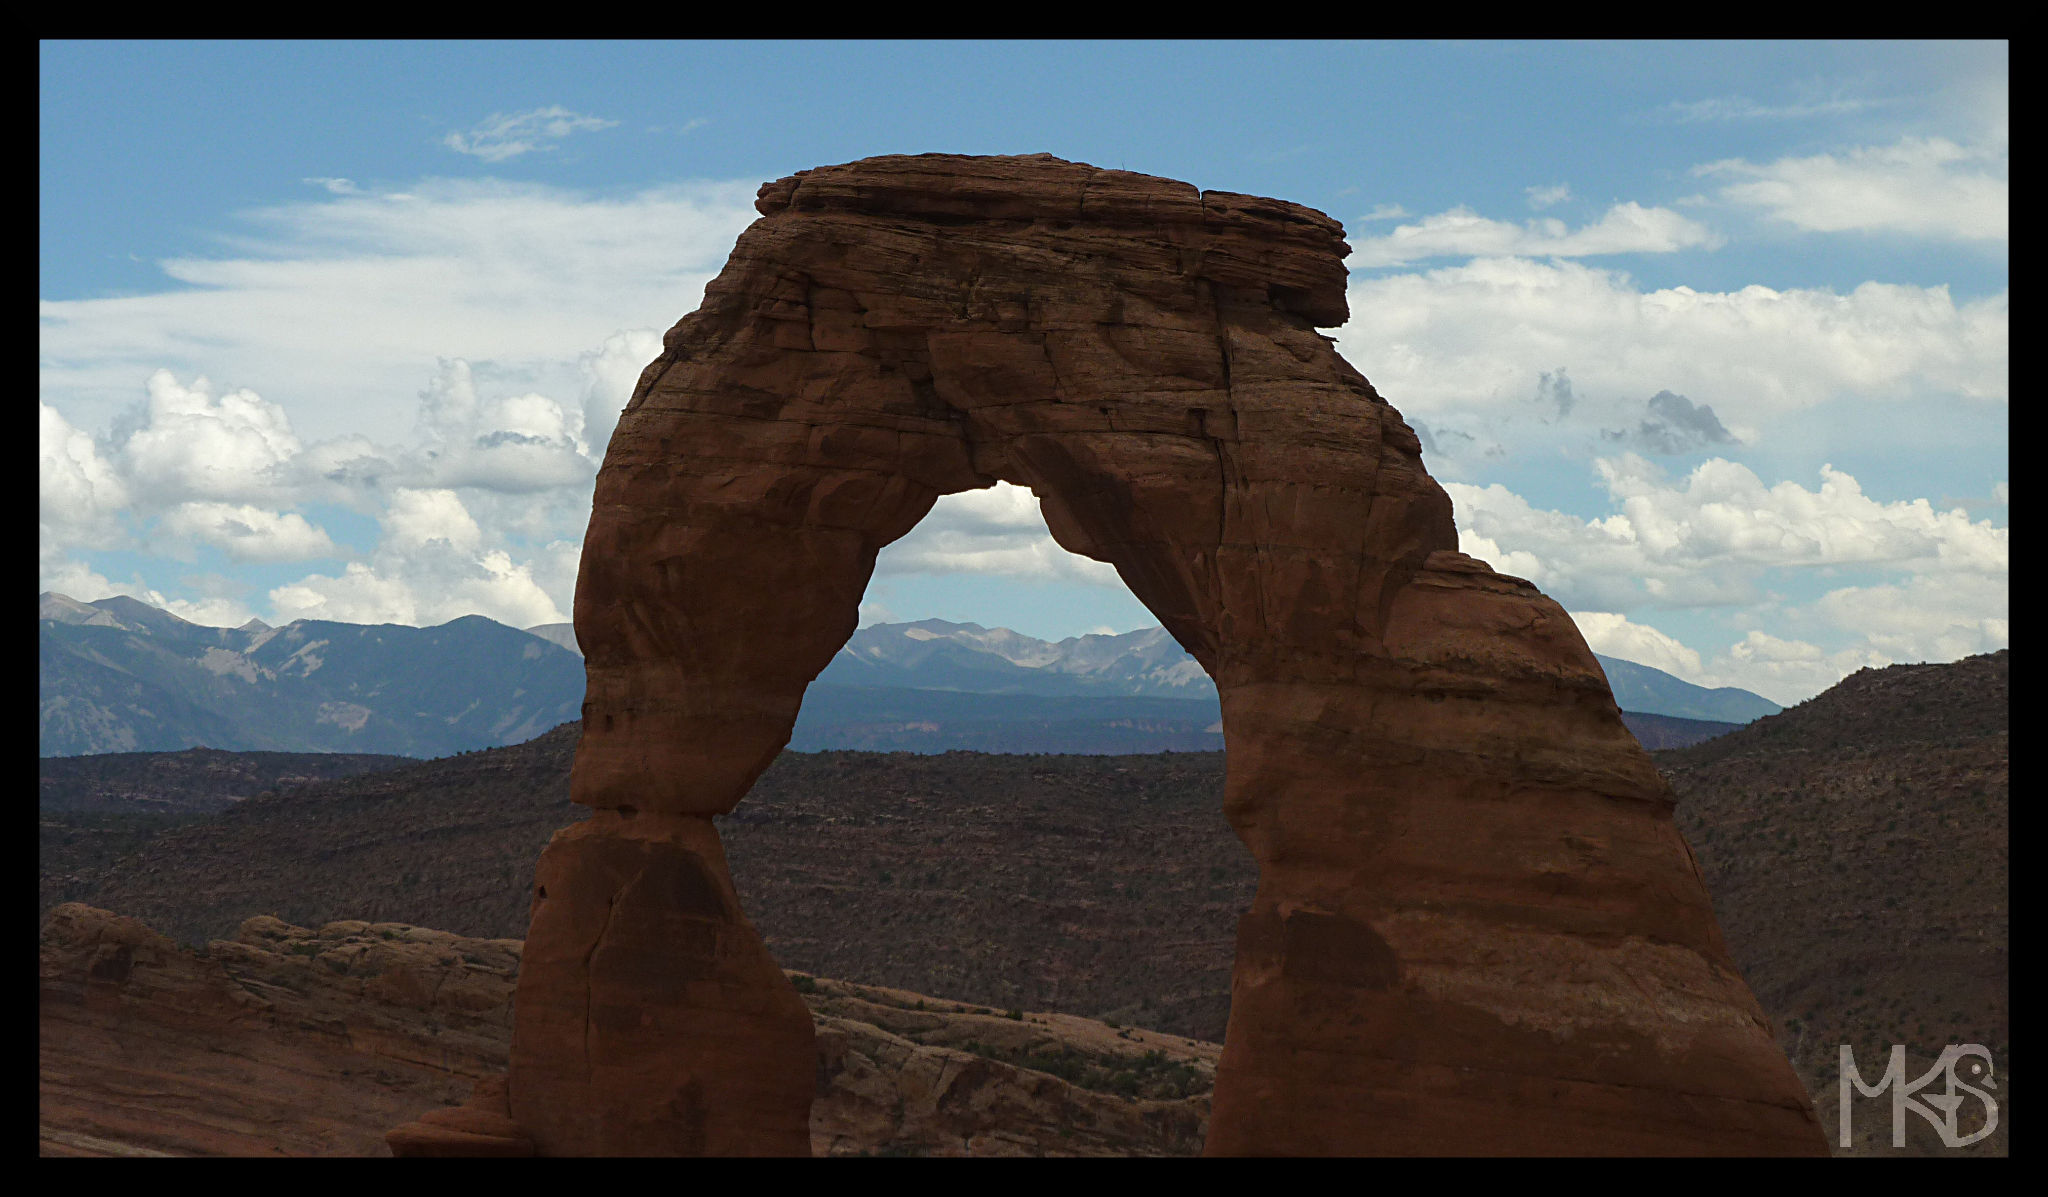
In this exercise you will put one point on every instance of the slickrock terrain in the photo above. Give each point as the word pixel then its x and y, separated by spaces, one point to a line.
pixel 1476 928
pixel 292 1041
pixel 282 1041
pixel 928 1077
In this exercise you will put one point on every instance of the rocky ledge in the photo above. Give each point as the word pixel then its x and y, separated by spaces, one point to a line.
pixel 294 1041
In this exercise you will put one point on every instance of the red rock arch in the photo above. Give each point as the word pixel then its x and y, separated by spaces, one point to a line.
pixel 1476 928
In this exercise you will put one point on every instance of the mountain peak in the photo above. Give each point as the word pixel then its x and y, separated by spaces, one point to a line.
pixel 1655 692
pixel 65 609
pixel 470 621
pixel 937 625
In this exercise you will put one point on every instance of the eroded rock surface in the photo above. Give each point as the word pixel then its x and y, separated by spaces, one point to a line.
pixel 1476 929
pixel 283 1041
pixel 300 1041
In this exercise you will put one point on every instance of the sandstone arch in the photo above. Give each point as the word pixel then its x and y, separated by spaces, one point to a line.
pixel 1476 929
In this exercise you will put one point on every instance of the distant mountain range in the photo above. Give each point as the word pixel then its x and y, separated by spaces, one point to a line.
pixel 933 654
pixel 119 675
pixel 935 686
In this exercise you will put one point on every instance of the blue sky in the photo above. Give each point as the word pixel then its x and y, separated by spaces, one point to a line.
pixel 1707 339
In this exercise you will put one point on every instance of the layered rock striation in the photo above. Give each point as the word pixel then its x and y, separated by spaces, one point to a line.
pixel 280 1041
pixel 1476 929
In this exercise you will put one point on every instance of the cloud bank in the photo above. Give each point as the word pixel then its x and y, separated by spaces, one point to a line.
pixel 339 307
pixel 1626 228
pixel 1470 338
pixel 1922 186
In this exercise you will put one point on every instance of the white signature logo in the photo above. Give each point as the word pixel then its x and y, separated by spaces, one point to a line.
pixel 1939 1109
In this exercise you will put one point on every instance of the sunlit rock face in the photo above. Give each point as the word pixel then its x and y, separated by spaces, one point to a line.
pixel 1476 929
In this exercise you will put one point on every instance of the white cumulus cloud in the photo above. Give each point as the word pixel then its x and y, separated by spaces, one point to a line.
pixel 998 530
pixel 1724 513
pixel 1473 338
pixel 433 563
pixel 1707 538
pixel 1926 618
pixel 609 375
pixel 247 533
pixel 1719 536
pixel 519 443
pixel 1614 635
pixel 427 519
pixel 1786 671
pixel 69 576
pixel 359 595
pixel 211 612
pixel 78 491
pixel 192 446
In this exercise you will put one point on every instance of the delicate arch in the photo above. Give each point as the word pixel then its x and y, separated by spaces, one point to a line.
pixel 1476 928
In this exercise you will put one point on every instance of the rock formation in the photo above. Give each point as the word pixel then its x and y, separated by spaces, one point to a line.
pixel 1476 929
pixel 281 1041
pixel 294 1041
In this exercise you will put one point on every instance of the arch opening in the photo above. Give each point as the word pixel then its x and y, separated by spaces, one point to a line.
pixel 1073 859
pixel 979 632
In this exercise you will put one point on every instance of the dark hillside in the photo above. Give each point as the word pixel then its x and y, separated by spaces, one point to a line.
pixel 1109 885
pixel 194 781
pixel 1858 850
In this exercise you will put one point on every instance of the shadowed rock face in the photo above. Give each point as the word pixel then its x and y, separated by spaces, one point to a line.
pixel 1476 929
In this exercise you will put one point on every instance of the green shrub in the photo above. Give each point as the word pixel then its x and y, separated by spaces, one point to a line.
pixel 803 984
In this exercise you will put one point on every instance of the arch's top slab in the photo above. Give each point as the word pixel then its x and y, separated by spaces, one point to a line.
pixel 1242 240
